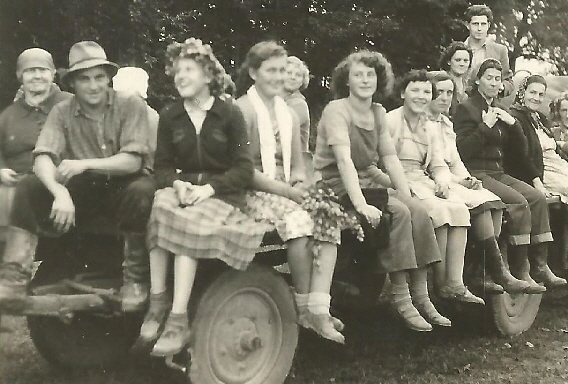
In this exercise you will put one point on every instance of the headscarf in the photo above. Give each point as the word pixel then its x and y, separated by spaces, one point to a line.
pixel 519 102
pixel 520 96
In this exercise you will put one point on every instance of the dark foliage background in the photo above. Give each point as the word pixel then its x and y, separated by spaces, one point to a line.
pixel 411 33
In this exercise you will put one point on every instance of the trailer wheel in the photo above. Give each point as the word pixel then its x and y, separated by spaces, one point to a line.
pixel 244 330
pixel 514 314
pixel 88 339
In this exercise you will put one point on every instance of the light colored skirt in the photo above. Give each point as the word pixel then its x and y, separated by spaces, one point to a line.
pixel 556 176
pixel 477 200
pixel 452 211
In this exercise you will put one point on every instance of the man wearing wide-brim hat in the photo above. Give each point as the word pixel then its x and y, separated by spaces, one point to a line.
pixel 89 160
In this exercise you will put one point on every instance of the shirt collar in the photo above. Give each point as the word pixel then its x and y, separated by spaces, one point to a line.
pixel 468 43
pixel 207 105
pixel 46 105
pixel 76 107
pixel 441 118
pixel 213 105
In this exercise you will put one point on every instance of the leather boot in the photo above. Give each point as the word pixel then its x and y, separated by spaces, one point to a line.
pixel 481 281
pixel 136 272
pixel 520 268
pixel 495 265
pixel 539 269
pixel 15 272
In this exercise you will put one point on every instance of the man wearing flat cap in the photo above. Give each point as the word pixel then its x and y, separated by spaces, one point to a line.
pixel 90 159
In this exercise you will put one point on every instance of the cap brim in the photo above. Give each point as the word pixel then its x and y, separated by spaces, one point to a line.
pixel 91 64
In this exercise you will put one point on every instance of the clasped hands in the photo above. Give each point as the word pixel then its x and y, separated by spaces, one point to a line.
pixel 495 113
pixel 190 194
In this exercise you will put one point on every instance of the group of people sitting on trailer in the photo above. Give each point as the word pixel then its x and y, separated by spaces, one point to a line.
pixel 223 172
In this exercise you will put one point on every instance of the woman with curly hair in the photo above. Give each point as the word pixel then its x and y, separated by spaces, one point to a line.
pixel 279 183
pixel 352 141
pixel 196 215
pixel 485 208
pixel 456 61
pixel 559 117
pixel 429 178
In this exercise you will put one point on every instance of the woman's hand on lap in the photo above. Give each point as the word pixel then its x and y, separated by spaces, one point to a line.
pixel 442 190
pixel 198 193
pixel 372 214
pixel 8 177
pixel 296 194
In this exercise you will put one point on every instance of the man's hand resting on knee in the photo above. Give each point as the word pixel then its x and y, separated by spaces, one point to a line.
pixel 62 210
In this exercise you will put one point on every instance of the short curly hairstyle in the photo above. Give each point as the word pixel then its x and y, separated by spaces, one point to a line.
pixel 450 51
pixel 555 107
pixel 194 49
pixel 372 59
pixel 293 60
pixel 256 55
pixel 412 76
pixel 479 10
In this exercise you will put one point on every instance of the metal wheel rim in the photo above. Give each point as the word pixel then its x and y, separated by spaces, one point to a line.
pixel 226 359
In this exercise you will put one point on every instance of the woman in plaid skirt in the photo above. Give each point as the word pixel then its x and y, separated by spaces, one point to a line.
pixel 279 183
pixel 203 166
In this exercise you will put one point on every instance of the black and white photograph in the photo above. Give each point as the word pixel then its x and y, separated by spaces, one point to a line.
pixel 283 192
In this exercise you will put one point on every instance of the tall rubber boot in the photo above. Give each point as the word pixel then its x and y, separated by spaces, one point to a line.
pixel 495 265
pixel 540 271
pixel 520 268
pixel 136 273
pixel 15 271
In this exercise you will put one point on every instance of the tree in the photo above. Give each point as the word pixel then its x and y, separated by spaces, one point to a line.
pixel 534 29
pixel 410 33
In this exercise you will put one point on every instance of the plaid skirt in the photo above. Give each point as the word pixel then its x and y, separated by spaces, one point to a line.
pixel 289 219
pixel 211 229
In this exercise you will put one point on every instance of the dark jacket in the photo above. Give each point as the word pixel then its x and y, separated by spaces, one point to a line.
pixel 218 156
pixel 487 149
pixel 534 149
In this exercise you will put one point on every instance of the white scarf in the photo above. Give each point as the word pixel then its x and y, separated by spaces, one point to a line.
pixel 266 133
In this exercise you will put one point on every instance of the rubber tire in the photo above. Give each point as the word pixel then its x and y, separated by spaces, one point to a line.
pixel 89 340
pixel 258 284
pixel 514 314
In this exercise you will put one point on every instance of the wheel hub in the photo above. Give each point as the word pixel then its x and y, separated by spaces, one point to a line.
pixel 246 338
pixel 246 335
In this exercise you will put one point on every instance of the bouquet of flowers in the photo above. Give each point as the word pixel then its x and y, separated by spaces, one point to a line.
pixel 329 218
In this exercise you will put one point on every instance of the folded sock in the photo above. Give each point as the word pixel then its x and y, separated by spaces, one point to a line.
pixel 301 300
pixel 319 303
pixel 399 293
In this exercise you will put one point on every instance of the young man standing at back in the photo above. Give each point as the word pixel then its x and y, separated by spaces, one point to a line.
pixel 479 18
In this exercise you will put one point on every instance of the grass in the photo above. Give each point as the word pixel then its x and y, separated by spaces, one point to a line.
pixel 378 350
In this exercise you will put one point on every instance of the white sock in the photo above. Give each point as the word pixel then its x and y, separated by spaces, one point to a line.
pixel 301 300
pixel 319 303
